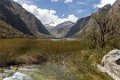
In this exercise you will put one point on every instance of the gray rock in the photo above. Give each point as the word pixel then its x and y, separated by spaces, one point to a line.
pixel 109 64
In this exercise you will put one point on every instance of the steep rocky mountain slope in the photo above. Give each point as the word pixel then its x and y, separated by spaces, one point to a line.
pixel 116 7
pixel 62 29
pixel 78 26
pixel 91 23
pixel 20 19
pixel 83 25
pixel 7 31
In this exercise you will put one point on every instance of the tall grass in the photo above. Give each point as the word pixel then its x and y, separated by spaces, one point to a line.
pixel 74 54
pixel 26 50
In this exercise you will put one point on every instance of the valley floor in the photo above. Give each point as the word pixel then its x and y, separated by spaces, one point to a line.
pixel 55 60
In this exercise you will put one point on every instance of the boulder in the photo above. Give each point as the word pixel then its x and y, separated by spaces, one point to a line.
pixel 109 64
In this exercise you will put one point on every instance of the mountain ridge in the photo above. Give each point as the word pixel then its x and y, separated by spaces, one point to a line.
pixel 83 25
pixel 22 20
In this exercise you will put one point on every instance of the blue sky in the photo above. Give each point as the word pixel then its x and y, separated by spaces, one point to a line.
pixel 58 11
pixel 79 8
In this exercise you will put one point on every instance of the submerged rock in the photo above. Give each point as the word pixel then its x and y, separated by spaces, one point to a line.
pixel 109 64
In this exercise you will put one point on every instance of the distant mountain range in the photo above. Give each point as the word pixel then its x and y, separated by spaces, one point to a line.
pixel 61 30
pixel 15 21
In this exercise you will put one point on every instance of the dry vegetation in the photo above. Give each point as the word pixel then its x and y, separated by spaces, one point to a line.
pixel 26 51
pixel 75 54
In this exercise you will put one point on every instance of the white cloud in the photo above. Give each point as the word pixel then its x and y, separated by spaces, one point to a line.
pixel 80 11
pixel 104 2
pixel 54 0
pixel 71 18
pixel 68 1
pixel 63 15
pixel 65 1
pixel 47 16
pixel 24 1
pixel 81 3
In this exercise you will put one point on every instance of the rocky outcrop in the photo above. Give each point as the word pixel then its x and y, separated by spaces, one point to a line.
pixel 106 8
pixel 110 64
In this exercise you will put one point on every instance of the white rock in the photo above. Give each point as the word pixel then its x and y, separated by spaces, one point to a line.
pixel 109 66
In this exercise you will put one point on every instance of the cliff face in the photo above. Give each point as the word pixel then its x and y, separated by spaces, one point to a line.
pixel 20 19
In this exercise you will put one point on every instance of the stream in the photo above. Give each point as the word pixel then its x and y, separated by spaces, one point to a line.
pixel 55 71
pixel 46 71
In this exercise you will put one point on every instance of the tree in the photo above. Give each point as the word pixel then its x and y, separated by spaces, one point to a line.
pixel 102 21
